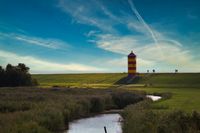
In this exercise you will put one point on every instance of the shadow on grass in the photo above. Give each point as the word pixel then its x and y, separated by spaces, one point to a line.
pixel 128 80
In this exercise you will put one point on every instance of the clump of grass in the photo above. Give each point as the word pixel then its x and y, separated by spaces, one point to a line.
pixel 14 106
pixel 141 118
pixel 51 118
pixel 122 99
pixel 159 106
pixel 97 105
pixel 29 127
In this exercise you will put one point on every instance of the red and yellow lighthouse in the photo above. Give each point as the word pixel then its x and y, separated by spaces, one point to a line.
pixel 131 64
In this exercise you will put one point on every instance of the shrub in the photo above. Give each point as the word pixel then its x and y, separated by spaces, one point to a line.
pixel 85 107
pixel 180 122
pixel 29 127
pixel 139 118
pixel 66 115
pixel 122 99
pixel 14 106
pixel 97 105
pixel 51 118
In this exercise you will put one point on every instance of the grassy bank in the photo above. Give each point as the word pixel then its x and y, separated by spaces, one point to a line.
pixel 35 110
pixel 79 80
pixel 186 99
pixel 142 118
pixel 178 113
pixel 113 79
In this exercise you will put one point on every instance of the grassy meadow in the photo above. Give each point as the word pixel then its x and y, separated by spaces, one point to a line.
pixel 78 80
pixel 175 112
pixel 185 87
pixel 61 98
pixel 110 79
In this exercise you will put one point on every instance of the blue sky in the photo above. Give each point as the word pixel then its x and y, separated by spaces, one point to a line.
pixel 82 36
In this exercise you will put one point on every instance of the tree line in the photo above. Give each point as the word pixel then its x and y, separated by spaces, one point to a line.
pixel 16 76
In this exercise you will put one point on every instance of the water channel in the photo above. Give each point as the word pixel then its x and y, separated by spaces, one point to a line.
pixel 96 124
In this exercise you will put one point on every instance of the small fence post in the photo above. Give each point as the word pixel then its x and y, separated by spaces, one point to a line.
pixel 105 129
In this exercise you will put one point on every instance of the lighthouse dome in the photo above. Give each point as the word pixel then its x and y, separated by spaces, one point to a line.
pixel 131 54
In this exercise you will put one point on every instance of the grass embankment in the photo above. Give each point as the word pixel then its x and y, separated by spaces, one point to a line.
pixel 36 110
pixel 79 80
pixel 110 79
pixel 179 80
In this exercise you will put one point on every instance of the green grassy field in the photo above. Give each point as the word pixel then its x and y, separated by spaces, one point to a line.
pixel 60 98
pixel 186 99
pixel 82 80
pixel 185 87
pixel 162 79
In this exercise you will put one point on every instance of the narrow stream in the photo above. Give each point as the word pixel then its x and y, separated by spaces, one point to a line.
pixel 96 124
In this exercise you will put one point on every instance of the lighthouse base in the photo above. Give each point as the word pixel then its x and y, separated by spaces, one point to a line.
pixel 131 75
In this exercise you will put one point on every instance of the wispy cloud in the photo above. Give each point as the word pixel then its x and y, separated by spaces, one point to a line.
pixel 31 40
pixel 91 33
pixel 147 53
pixel 139 17
pixel 87 13
pixel 117 44
pixel 151 46
pixel 42 66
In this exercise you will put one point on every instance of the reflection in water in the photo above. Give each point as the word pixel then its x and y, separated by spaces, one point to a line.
pixel 154 98
pixel 96 124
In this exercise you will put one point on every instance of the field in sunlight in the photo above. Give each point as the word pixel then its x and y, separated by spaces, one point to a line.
pixel 91 80
pixel 185 87
pixel 182 98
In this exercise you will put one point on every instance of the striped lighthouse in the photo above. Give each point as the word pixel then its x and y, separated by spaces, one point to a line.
pixel 131 64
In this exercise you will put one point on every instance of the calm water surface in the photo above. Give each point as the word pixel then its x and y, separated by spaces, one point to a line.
pixel 154 98
pixel 96 124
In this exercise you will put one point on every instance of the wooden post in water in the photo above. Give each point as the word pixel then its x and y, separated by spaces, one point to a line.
pixel 105 130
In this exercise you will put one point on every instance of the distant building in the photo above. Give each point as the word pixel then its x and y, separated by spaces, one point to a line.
pixel 131 64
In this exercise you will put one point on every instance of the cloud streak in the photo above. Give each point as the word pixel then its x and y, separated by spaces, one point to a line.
pixel 85 13
pixel 42 66
pixel 148 54
pixel 31 40
pixel 152 46
pixel 139 17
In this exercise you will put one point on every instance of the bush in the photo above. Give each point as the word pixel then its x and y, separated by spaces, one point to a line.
pixel 179 122
pixel 14 106
pixel 85 107
pixel 122 99
pixel 51 118
pixel 30 127
pixel 139 118
pixel 97 105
